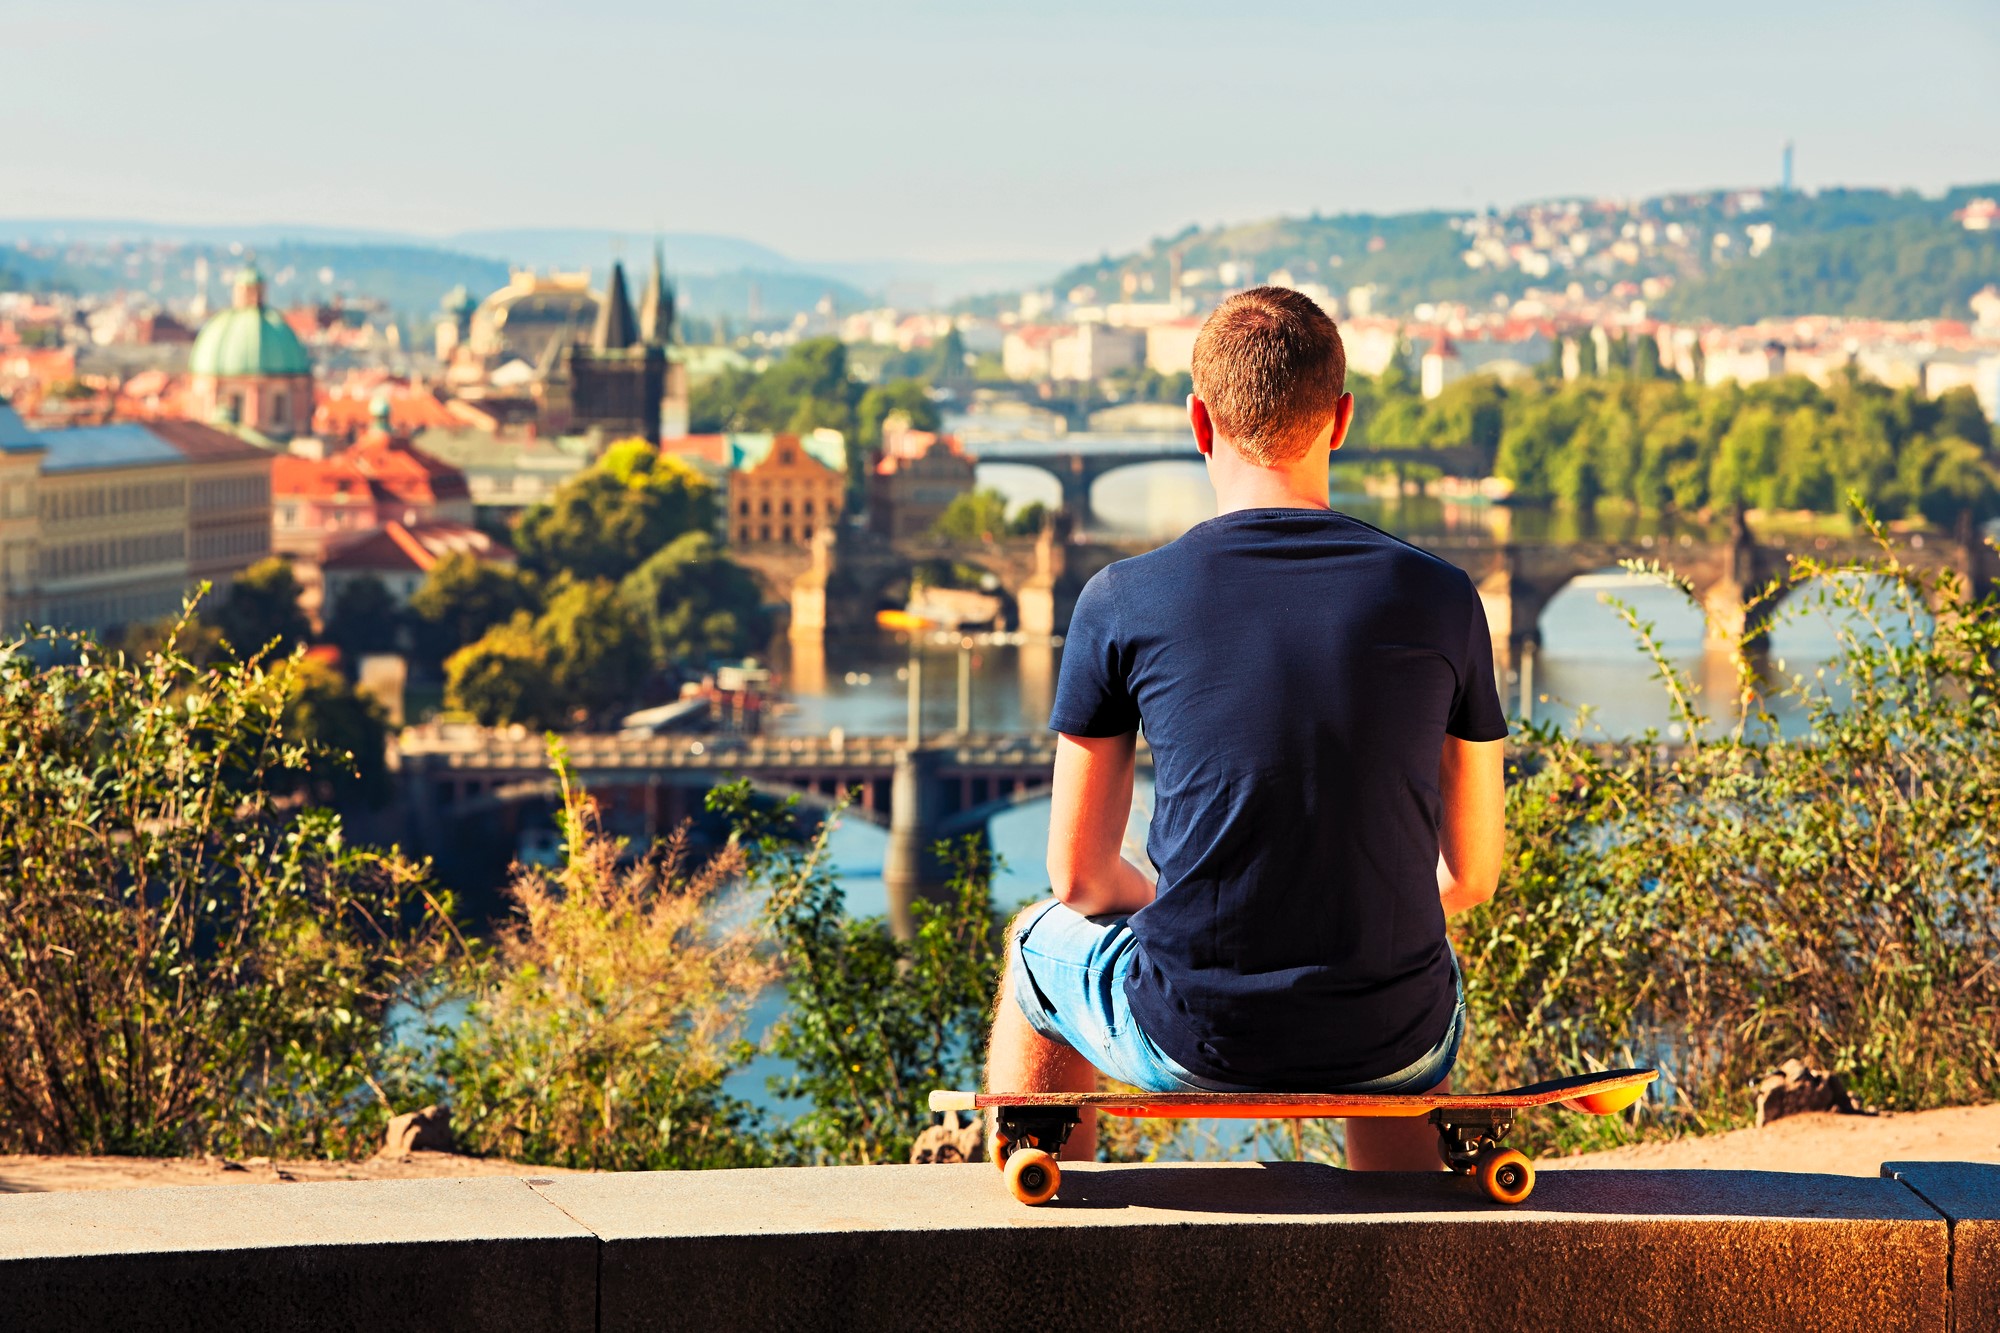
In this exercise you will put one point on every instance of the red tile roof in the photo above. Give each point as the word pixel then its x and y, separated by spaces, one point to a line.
pixel 377 465
pixel 394 548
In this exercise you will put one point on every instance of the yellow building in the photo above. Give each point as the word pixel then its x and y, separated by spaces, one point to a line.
pixel 783 489
pixel 20 524
pixel 128 518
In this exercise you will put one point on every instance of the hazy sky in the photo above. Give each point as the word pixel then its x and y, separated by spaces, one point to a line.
pixel 1031 129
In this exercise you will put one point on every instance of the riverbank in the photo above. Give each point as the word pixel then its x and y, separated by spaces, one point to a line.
pixel 1840 1145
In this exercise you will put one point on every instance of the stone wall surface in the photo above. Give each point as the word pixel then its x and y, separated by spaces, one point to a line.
pixel 944 1247
pixel 386 1255
pixel 1204 1246
pixel 1968 1194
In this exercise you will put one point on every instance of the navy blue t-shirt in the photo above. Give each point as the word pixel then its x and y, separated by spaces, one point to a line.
pixel 1296 672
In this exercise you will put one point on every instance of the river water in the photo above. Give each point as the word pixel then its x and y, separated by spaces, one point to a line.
pixel 1588 661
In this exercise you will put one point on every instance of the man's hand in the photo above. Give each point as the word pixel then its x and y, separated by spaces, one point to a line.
pixel 1088 809
pixel 1472 837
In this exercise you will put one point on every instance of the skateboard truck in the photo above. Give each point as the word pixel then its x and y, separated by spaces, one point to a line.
pixel 1469 1142
pixel 1028 1140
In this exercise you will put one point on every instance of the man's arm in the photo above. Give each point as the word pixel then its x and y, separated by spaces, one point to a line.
pixel 1472 838
pixel 1088 809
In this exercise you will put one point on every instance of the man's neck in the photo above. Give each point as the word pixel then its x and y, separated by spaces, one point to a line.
pixel 1242 485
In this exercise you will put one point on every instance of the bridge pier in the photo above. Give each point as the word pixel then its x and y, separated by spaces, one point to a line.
pixel 1513 607
pixel 911 868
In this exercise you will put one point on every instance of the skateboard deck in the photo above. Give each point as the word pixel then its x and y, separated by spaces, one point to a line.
pixel 1032 1126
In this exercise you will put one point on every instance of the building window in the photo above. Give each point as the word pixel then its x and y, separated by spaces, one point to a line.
pixel 743 508
pixel 764 508
pixel 808 509
pixel 785 534
pixel 785 508
pixel 764 533
pixel 806 532
pixel 743 533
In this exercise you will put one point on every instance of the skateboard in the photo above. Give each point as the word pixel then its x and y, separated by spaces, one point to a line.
pixel 1470 1126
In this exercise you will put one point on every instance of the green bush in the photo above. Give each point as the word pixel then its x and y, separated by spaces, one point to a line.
pixel 603 1018
pixel 190 957
pixel 874 1023
pixel 1718 906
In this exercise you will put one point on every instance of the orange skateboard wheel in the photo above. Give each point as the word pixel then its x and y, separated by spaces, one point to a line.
pixel 1033 1176
pixel 998 1148
pixel 1506 1175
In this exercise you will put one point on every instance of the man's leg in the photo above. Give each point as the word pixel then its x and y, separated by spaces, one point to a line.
pixel 1394 1143
pixel 1020 1059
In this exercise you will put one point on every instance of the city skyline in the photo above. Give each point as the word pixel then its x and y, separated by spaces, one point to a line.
pixel 895 133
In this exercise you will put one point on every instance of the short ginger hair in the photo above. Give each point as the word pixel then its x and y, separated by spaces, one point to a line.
pixel 1269 364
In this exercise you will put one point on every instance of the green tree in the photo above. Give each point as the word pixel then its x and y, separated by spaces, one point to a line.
pixel 698 604
pixel 504 677
pixel 1956 478
pixel 606 521
pixel 364 619
pixel 461 598
pixel 1960 414
pixel 597 646
pixel 345 734
pixel 974 516
pixel 262 611
pixel 910 397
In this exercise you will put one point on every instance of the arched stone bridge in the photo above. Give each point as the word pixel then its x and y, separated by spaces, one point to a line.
pixel 1517 581
pixel 647 785
pixel 1079 462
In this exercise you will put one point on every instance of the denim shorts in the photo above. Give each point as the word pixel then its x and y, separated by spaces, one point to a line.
pixel 1069 974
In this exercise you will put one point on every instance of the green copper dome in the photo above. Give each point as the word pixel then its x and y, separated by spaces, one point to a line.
pixel 248 339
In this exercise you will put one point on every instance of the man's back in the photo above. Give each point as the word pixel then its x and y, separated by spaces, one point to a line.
pixel 1296 672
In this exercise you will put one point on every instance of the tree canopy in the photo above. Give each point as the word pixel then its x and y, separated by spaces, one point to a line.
pixel 606 521
pixel 699 605
pixel 1643 438
pixel 598 647
pixel 461 598
pixel 504 677
pixel 262 611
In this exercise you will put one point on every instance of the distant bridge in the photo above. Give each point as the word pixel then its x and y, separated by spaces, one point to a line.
pixel 459 777
pixel 1079 461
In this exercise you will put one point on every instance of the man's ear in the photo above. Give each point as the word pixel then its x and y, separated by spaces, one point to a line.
pixel 1343 417
pixel 1204 427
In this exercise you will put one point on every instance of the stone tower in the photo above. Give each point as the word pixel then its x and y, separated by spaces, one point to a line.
pixel 616 379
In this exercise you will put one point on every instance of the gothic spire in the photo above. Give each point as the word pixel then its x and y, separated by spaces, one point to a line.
pixel 656 310
pixel 616 329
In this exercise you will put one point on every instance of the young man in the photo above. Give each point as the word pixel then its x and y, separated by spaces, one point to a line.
pixel 1326 739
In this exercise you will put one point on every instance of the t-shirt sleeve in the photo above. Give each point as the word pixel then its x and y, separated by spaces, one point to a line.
pixel 1093 689
pixel 1476 714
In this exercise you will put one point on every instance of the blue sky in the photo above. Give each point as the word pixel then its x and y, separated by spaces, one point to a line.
pixel 1025 130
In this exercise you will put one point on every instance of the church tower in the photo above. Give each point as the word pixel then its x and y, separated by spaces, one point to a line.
pixel 616 379
pixel 656 310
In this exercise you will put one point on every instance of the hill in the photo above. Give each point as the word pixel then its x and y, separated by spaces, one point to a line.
pixel 1730 255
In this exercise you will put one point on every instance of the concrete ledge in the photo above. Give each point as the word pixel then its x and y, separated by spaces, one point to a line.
pixel 945 1248
pixel 423 1255
pixel 1207 1246
pixel 1968 1194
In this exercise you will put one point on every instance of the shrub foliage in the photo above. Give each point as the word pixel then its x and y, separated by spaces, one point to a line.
pixel 190 957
